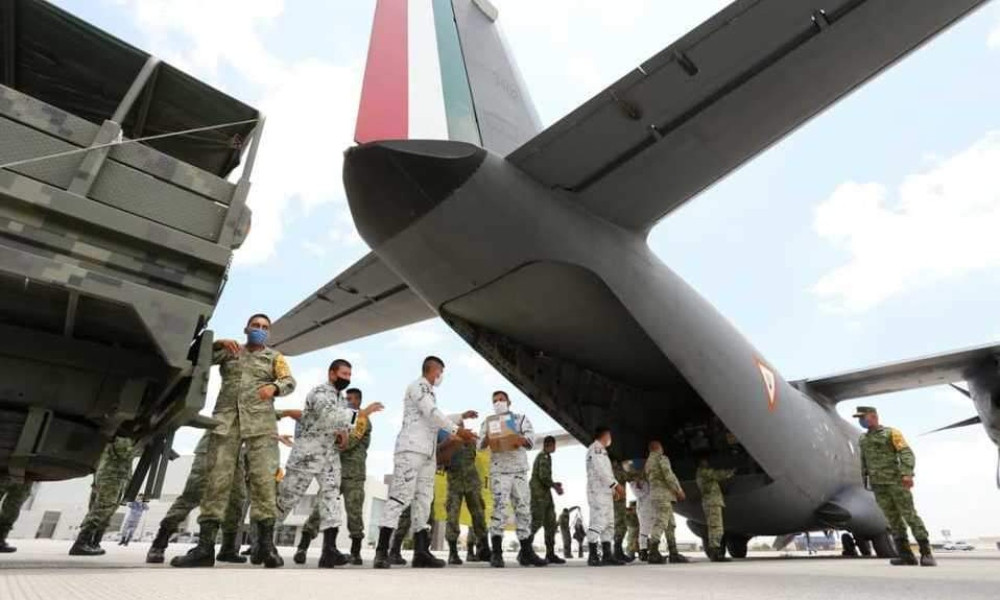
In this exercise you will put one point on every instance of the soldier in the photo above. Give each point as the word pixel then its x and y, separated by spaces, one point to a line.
pixel 564 530
pixel 887 465
pixel 543 509
pixel 579 533
pixel 712 503
pixel 643 513
pixel 632 532
pixel 110 479
pixel 603 490
pixel 12 497
pixel 509 484
pixel 353 476
pixel 622 477
pixel 664 490
pixel 132 518
pixel 327 416
pixel 252 376
pixel 414 464
pixel 465 485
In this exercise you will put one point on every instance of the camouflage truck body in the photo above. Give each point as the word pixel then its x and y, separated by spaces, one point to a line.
pixel 113 259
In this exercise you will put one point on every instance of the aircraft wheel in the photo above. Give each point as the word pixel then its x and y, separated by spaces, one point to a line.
pixel 737 545
pixel 883 546
pixel 850 549
pixel 865 547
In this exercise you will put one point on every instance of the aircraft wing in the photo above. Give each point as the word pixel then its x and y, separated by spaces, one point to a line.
pixel 941 369
pixel 720 95
pixel 365 299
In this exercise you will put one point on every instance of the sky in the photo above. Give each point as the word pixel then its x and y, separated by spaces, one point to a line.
pixel 867 236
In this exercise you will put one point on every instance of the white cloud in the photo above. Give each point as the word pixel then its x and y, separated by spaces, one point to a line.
pixel 943 225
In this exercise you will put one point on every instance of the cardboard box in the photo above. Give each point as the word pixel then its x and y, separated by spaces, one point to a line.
pixel 503 437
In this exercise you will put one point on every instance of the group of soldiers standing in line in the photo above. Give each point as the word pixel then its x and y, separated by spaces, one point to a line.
pixel 240 458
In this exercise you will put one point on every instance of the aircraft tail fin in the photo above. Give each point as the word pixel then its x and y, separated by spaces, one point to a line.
pixel 439 69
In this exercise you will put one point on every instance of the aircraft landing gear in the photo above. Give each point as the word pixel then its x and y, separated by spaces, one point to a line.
pixel 854 547
pixel 865 547
pixel 850 549
pixel 736 544
pixel 884 547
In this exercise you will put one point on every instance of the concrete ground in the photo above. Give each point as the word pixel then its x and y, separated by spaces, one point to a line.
pixel 41 570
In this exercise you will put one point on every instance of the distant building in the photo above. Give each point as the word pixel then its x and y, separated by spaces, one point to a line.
pixel 54 509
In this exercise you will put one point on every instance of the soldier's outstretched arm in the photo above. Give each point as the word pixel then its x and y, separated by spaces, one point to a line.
pixel 427 407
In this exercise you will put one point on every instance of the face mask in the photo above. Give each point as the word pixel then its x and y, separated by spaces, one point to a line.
pixel 256 337
pixel 863 422
pixel 500 407
pixel 437 382
pixel 341 384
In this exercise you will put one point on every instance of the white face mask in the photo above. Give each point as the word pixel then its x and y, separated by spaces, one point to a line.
pixel 437 382
pixel 500 407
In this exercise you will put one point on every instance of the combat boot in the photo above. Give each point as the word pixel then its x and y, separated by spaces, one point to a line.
pixel 453 558
pixel 265 540
pixel 382 557
pixel 926 557
pixel 155 554
pixel 619 553
pixel 98 538
pixel 5 548
pixel 300 553
pixel 484 551
pixel 655 558
pixel 331 556
pixel 356 551
pixel 470 553
pixel 644 555
pixel 395 553
pixel 202 555
pixel 229 552
pixel 527 557
pixel 675 557
pixel 550 555
pixel 593 557
pixel 84 545
pixel 422 557
pixel 608 557
pixel 905 558
pixel 496 556
pixel 717 554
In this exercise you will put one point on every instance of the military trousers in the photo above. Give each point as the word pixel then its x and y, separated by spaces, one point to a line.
pixel 896 503
pixel 602 516
pixel 194 490
pixel 223 456
pixel 353 490
pixel 12 497
pixel 713 521
pixel 306 463
pixel 663 522
pixel 412 486
pixel 543 514
pixel 468 492
pixel 311 527
pixel 510 489
pixel 109 482
pixel 567 541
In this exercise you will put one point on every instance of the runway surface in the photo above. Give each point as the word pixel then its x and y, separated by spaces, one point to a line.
pixel 41 570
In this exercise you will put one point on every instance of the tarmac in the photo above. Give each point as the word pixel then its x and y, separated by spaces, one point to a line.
pixel 41 570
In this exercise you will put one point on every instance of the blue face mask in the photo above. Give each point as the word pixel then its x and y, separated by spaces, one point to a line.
pixel 863 422
pixel 256 337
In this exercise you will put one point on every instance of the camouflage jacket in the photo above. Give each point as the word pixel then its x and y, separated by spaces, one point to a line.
pixel 326 413
pixel 462 467
pixel 600 475
pixel 621 475
pixel 708 480
pixel 662 481
pixel 514 461
pixel 353 459
pixel 885 456
pixel 541 474
pixel 421 420
pixel 243 374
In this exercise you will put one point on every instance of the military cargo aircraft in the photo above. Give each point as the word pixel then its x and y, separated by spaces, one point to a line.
pixel 531 244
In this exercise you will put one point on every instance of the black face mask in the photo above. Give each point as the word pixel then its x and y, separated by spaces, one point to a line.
pixel 341 384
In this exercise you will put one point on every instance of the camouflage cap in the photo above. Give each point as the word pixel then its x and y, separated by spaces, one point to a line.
pixel 861 411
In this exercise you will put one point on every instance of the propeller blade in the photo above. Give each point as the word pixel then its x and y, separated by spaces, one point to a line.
pixel 962 391
pixel 970 421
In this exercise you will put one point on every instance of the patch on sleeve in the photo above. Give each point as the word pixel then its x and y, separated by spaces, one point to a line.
pixel 897 440
pixel 281 369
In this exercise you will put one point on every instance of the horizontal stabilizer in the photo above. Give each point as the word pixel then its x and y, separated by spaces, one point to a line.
pixel 941 369
pixel 366 299
pixel 963 423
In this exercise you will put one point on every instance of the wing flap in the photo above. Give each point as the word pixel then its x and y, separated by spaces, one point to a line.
pixel 366 299
pixel 941 369
pixel 719 96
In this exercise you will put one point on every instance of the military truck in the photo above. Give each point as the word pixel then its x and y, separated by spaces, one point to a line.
pixel 112 255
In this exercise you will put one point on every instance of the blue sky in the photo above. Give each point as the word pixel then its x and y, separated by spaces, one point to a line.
pixel 867 236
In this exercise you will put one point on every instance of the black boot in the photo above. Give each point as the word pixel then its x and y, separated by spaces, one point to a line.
pixel 496 556
pixel 300 553
pixel 926 556
pixel 608 557
pixel 526 557
pixel 98 538
pixel 202 555
pixel 593 557
pixel 619 553
pixel 717 554
pixel 84 545
pixel 484 550
pixel 470 553
pixel 5 548
pixel 268 554
pixel 256 557
pixel 453 558
pixel 675 557
pixel 644 555
pixel 550 555
pixel 395 552
pixel 382 556
pixel 229 552
pixel 655 558
pixel 906 557
pixel 422 557
pixel 331 556
pixel 356 551
pixel 155 554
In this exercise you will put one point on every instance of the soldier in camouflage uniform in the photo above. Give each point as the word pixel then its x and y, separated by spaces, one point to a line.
pixel 465 485
pixel 543 509
pixel 887 465
pixel 665 489
pixel 632 530
pixel 252 376
pixel 621 528
pixel 12 497
pixel 712 503
pixel 564 529
pixel 113 472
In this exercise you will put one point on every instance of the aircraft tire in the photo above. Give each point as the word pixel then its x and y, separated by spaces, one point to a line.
pixel 883 546
pixel 865 547
pixel 737 545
